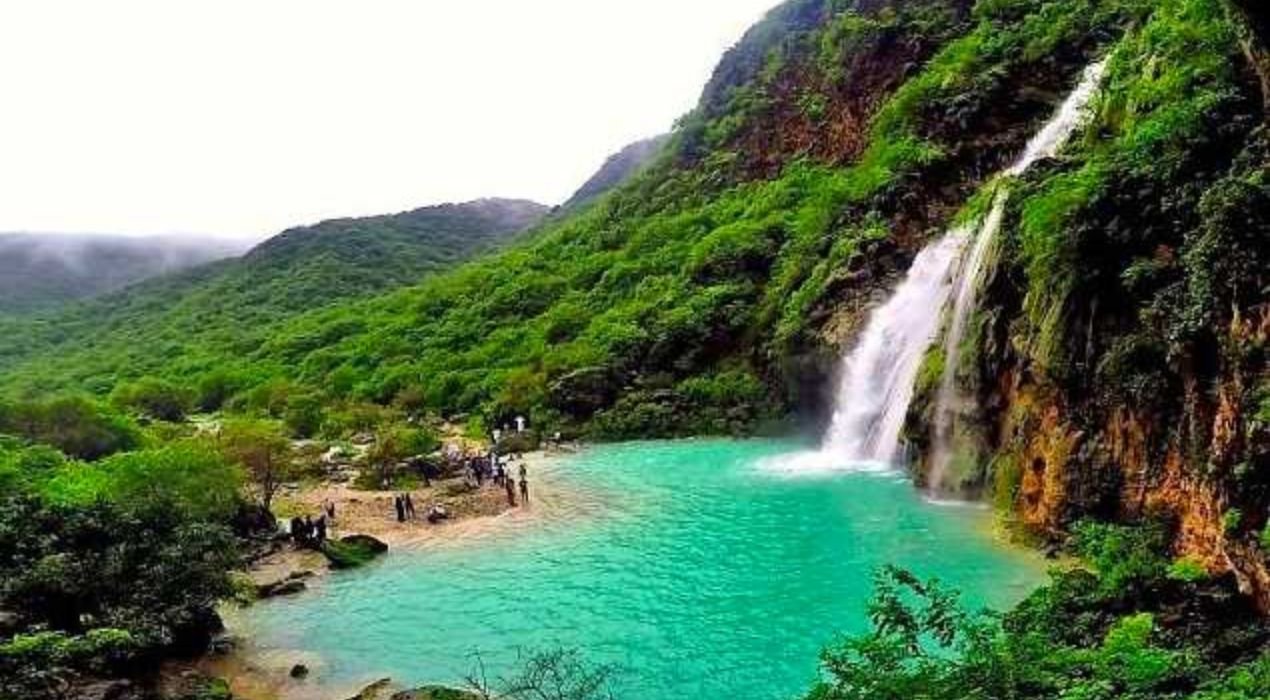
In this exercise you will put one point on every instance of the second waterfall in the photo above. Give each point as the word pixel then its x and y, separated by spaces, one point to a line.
pixel 878 374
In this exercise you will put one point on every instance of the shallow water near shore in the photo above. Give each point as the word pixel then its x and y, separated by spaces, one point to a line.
pixel 693 566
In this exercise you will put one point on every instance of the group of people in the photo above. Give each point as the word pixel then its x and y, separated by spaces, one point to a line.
pixel 307 532
pixel 405 507
pixel 496 469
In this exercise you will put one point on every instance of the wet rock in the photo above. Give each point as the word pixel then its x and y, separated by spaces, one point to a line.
pixel 435 693
pixel 585 391
pixel 299 671
pixel 287 586
pixel 9 622
pixel 353 551
pixel 379 690
pixel 106 690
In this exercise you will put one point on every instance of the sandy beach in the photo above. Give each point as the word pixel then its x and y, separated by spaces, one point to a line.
pixel 259 675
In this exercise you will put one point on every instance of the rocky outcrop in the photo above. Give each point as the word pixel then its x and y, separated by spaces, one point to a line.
pixel 384 689
pixel 1124 377
pixel 353 551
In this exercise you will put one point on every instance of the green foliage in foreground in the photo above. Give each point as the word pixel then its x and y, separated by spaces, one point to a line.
pixel 109 565
pixel 1125 631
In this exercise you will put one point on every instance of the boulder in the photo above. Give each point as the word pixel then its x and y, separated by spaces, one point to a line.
pixel 583 392
pixel 106 690
pixel 353 551
pixel 435 693
pixel 287 586
pixel 379 690
pixel 299 671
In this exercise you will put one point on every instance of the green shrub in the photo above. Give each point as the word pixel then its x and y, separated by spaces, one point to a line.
pixel 78 426
pixel 155 398
pixel 1187 570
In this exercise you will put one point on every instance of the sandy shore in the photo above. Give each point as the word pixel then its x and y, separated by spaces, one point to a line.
pixel 471 511
pixel 254 674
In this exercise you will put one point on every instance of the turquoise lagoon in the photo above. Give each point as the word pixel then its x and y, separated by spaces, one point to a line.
pixel 702 569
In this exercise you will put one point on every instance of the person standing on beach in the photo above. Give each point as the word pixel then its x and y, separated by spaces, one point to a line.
pixel 524 488
pixel 401 508
pixel 511 491
pixel 410 507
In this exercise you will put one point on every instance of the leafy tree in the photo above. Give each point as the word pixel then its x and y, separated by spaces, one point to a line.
pixel 262 450
pixel 394 444
pixel 155 398
pixel 304 415
pixel 75 425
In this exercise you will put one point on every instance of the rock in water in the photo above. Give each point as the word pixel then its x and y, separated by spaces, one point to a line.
pixel 288 586
pixel 353 551
pixel 435 693
pixel 379 690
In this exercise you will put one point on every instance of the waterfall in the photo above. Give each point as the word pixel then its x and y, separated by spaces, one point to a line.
pixel 948 400
pixel 878 374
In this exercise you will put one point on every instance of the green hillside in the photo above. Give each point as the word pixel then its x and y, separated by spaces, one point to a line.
pixel 227 309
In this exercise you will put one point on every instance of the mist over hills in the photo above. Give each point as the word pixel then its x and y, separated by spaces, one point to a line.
pixel 40 271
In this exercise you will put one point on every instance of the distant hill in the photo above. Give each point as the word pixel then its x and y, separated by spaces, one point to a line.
pixel 233 304
pixel 342 258
pixel 42 271
pixel 617 169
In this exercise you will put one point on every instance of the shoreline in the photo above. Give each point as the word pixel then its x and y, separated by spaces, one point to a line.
pixel 264 674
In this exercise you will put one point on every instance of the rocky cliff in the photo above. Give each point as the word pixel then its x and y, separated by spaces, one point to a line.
pixel 1119 360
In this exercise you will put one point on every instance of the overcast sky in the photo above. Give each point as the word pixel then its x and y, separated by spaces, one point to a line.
pixel 231 117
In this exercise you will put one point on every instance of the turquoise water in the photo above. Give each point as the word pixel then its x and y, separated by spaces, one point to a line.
pixel 688 564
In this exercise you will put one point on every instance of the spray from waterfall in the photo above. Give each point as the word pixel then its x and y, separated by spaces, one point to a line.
pixel 878 375
pixel 949 401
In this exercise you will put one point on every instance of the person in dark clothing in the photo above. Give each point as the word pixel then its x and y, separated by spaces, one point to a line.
pixel 320 534
pixel 524 489
pixel 410 507
pixel 297 530
pixel 330 510
pixel 511 491
pixel 401 508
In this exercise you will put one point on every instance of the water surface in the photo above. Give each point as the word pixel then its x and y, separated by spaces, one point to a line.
pixel 696 569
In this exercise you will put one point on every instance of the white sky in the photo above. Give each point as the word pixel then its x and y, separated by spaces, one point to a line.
pixel 244 117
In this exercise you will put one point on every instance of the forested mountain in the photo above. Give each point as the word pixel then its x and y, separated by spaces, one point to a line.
pixel 229 307
pixel 617 168
pixel 1117 359
pixel 41 271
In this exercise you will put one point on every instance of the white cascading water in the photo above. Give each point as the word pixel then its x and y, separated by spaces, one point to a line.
pixel 878 375
pixel 1071 115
